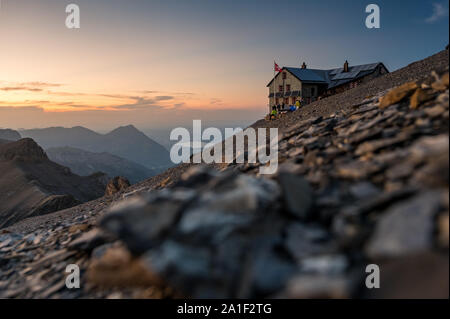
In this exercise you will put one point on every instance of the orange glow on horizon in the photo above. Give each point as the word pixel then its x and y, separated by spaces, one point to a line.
pixel 41 95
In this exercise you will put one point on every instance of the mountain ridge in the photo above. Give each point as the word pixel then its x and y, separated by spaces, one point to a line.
pixel 8 134
pixel 85 163
pixel 125 141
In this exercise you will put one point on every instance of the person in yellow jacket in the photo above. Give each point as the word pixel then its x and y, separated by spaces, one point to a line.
pixel 297 104
pixel 273 114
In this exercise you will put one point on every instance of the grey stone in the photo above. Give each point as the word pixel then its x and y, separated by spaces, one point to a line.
pixel 377 145
pixel 377 203
pixel 406 228
pixel 429 147
pixel 197 175
pixel 270 273
pixel 318 287
pixel 200 225
pixel 227 207
pixel 140 221
pixel 357 170
pixel 417 276
pixel 364 190
pixel 325 264
pixel 241 194
pixel 187 268
pixel 88 241
pixel 306 240
pixel 297 194
pixel 364 136
pixel 400 171
pixel 7 240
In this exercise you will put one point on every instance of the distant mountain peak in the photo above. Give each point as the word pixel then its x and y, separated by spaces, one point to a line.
pixel 126 131
pixel 126 128
pixel 8 134
pixel 81 128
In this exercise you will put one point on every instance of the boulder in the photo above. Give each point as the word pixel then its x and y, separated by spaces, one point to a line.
pixel 116 185
pixel 406 228
pixel 398 94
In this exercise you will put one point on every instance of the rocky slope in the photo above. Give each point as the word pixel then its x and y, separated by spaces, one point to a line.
pixel 31 184
pixel 85 163
pixel 364 183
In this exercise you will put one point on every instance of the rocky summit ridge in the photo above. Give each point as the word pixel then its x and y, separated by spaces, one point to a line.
pixel 22 150
pixel 364 184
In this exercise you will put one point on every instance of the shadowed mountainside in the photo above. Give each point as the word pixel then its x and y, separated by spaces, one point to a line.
pixel 85 163
pixel 31 184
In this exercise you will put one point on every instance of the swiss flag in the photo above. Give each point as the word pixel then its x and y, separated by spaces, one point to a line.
pixel 276 67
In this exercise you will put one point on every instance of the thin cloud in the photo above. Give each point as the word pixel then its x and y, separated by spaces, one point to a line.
pixel 440 11
pixel 130 102
pixel 150 99
pixel 41 84
pixel 139 103
pixel 178 105
pixel 66 93
pixel 164 98
pixel 182 93
pixel 117 96
pixel 36 86
pixel 215 101
pixel 165 92
pixel 20 88
pixel 21 107
pixel 150 92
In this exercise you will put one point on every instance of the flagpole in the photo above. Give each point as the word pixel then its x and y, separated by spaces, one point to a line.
pixel 274 74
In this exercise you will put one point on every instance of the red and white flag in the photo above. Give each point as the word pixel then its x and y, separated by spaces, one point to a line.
pixel 276 68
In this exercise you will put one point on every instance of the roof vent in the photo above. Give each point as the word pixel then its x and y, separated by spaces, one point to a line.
pixel 304 65
pixel 346 66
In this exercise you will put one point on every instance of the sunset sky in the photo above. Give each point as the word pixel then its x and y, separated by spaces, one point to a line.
pixel 158 64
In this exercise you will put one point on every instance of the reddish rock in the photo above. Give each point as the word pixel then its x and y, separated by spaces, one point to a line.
pixel 116 185
pixel 418 98
pixel 398 94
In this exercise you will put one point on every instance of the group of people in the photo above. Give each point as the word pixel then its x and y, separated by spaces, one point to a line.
pixel 278 109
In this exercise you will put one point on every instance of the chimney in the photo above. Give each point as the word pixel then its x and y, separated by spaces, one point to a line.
pixel 346 66
pixel 304 65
